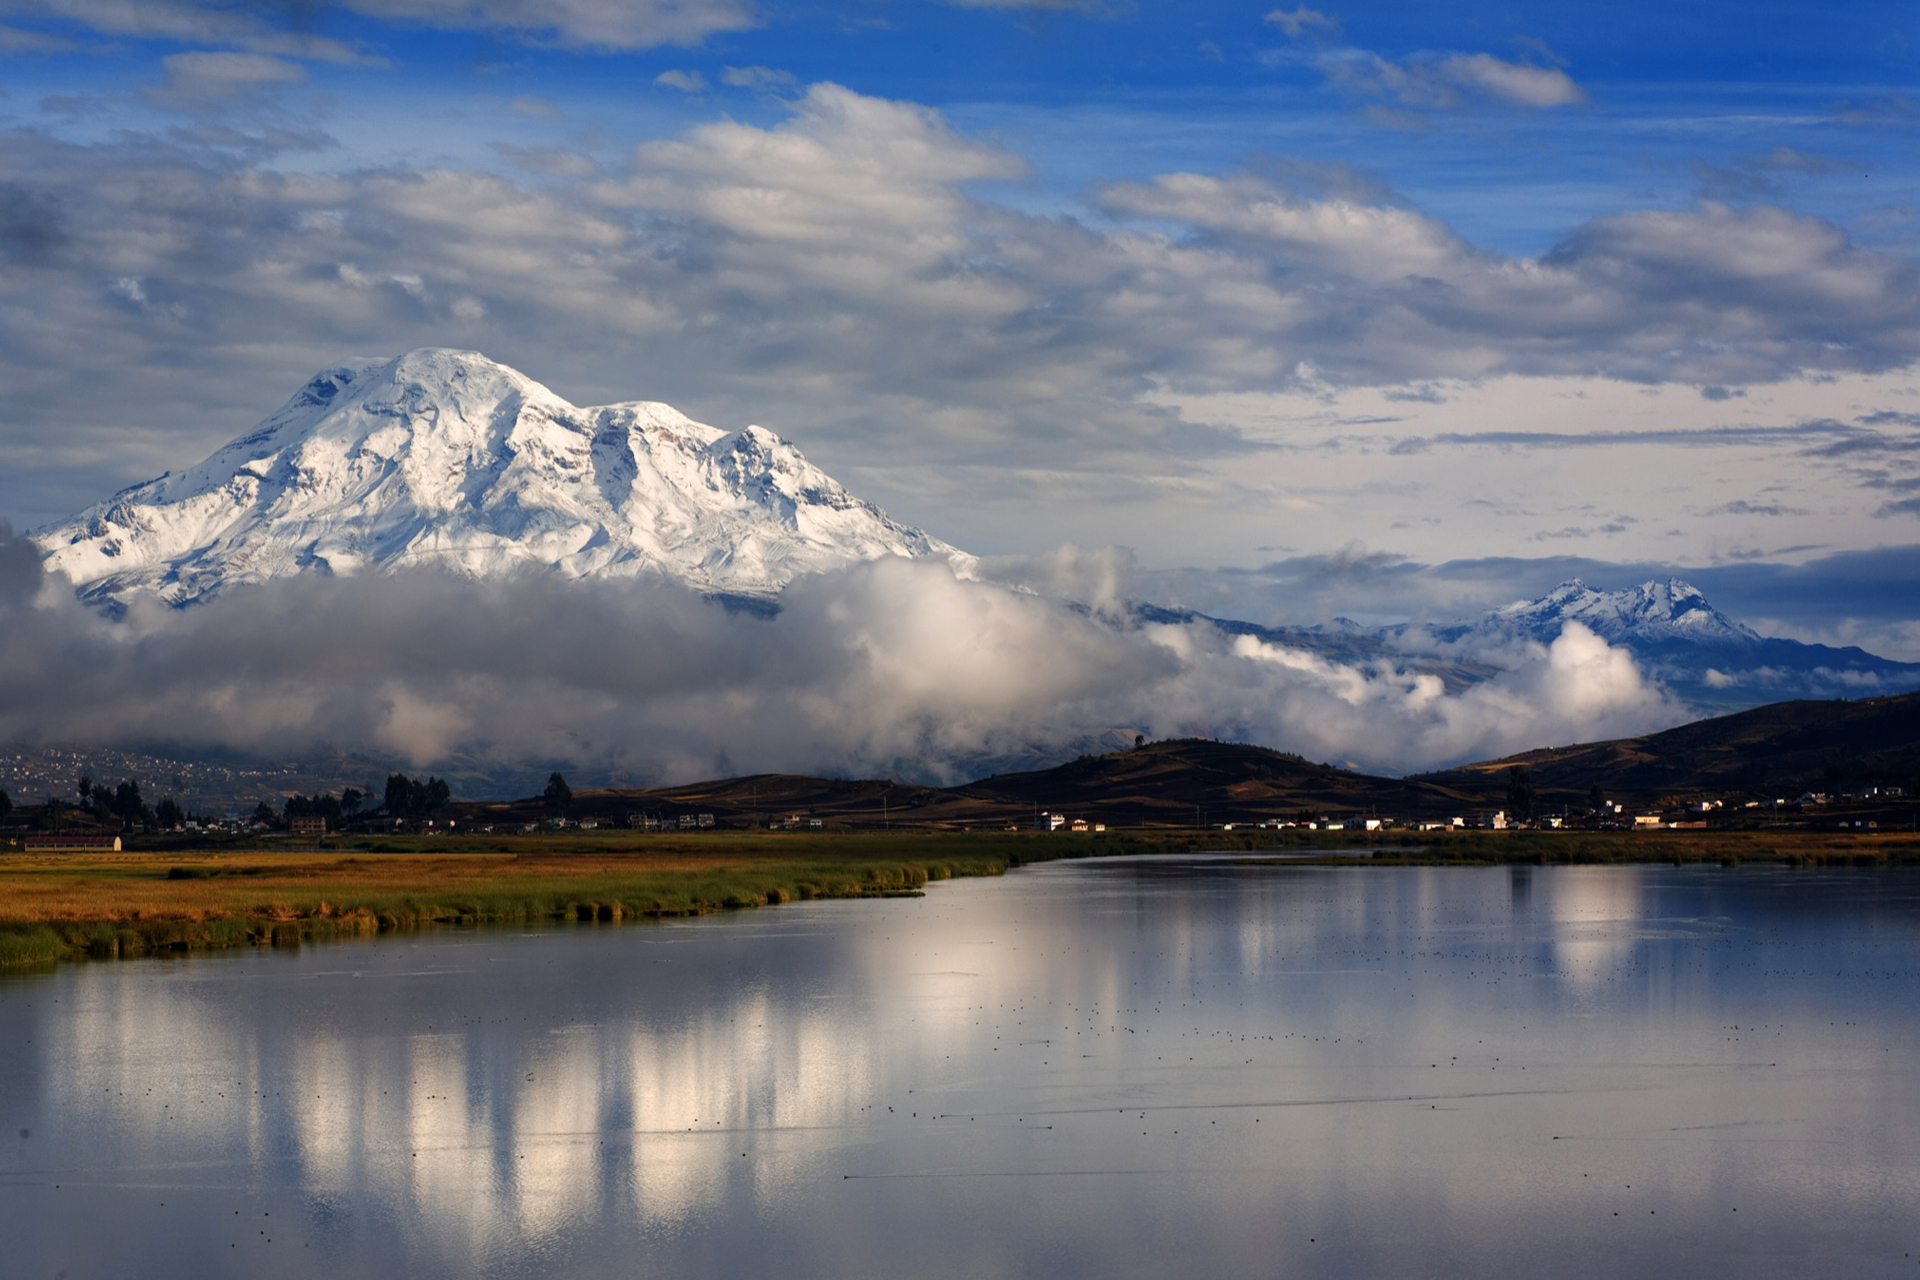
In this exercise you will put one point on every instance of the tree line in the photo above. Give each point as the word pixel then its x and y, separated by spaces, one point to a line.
pixel 403 797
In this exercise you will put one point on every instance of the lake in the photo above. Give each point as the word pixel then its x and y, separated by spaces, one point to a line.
pixel 1126 1067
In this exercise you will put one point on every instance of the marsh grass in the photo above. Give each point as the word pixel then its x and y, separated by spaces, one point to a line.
pixel 59 906
pixel 107 905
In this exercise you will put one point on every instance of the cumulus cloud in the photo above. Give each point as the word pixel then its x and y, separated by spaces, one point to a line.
pixel 892 666
pixel 195 22
pixel 1428 81
pixel 603 24
pixel 204 80
pixel 590 24
pixel 764 79
pixel 845 273
pixel 1301 21
pixel 684 81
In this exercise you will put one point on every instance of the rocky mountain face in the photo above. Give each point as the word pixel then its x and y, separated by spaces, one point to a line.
pixel 448 458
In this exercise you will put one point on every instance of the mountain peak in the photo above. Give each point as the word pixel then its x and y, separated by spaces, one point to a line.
pixel 448 457
pixel 1652 611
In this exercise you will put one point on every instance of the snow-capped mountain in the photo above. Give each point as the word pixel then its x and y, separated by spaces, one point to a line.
pixel 448 458
pixel 1681 640
pixel 1676 635
pixel 1649 613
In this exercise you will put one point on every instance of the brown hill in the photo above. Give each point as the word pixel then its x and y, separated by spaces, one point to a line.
pixel 1177 783
pixel 1778 750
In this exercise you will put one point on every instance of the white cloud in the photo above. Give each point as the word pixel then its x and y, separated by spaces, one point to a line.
pixel 15 42
pixel 891 664
pixel 844 275
pixel 684 81
pixel 190 22
pixel 1427 81
pixel 602 24
pixel 1513 82
pixel 533 108
pixel 589 24
pixel 765 79
pixel 1301 21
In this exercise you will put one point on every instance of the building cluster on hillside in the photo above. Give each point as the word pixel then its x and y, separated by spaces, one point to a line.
pixel 33 776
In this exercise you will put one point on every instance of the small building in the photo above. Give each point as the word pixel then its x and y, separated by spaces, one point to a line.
pixel 1050 822
pixel 1646 821
pixel 308 826
pixel 72 842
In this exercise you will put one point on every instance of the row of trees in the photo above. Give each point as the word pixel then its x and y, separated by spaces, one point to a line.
pixel 404 797
pixel 106 803
pixel 410 798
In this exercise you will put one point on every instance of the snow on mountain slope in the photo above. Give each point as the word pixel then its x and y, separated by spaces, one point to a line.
pixel 445 457
pixel 1652 611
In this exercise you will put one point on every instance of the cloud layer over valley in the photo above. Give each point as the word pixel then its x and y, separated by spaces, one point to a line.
pixel 894 666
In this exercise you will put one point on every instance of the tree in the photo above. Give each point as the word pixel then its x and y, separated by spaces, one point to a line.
pixel 350 801
pixel 1519 794
pixel 169 814
pixel 411 798
pixel 1597 798
pixel 264 816
pixel 558 794
pixel 86 791
pixel 399 799
pixel 6 804
pixel 1139 741
pixel 127 805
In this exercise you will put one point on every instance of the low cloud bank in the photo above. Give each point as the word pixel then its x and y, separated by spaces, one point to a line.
pixel 890 667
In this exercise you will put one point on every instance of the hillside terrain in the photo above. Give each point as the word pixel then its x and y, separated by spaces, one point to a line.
pixel 1781 750
pixel 1177 783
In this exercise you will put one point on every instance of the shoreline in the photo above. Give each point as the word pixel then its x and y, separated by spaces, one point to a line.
pixel 73 906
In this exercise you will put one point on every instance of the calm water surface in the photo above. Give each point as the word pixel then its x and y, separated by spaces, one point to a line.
pixel 1117 1068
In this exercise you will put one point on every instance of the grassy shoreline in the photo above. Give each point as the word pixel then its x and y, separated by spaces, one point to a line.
pixel 60 906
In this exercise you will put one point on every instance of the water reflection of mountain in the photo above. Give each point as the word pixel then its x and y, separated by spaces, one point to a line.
pixel 1194 1045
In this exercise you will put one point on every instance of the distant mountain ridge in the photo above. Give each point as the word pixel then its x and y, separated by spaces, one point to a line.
pixel 1712 661
pixel 1652 612
pixel 448 458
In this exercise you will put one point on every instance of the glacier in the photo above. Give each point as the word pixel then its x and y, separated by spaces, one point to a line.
pixel 447 458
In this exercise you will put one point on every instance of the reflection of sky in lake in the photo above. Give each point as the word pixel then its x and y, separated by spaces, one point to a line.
pixel 1120 1068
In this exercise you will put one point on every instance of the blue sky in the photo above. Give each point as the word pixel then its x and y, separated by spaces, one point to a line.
pixel 1231 285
